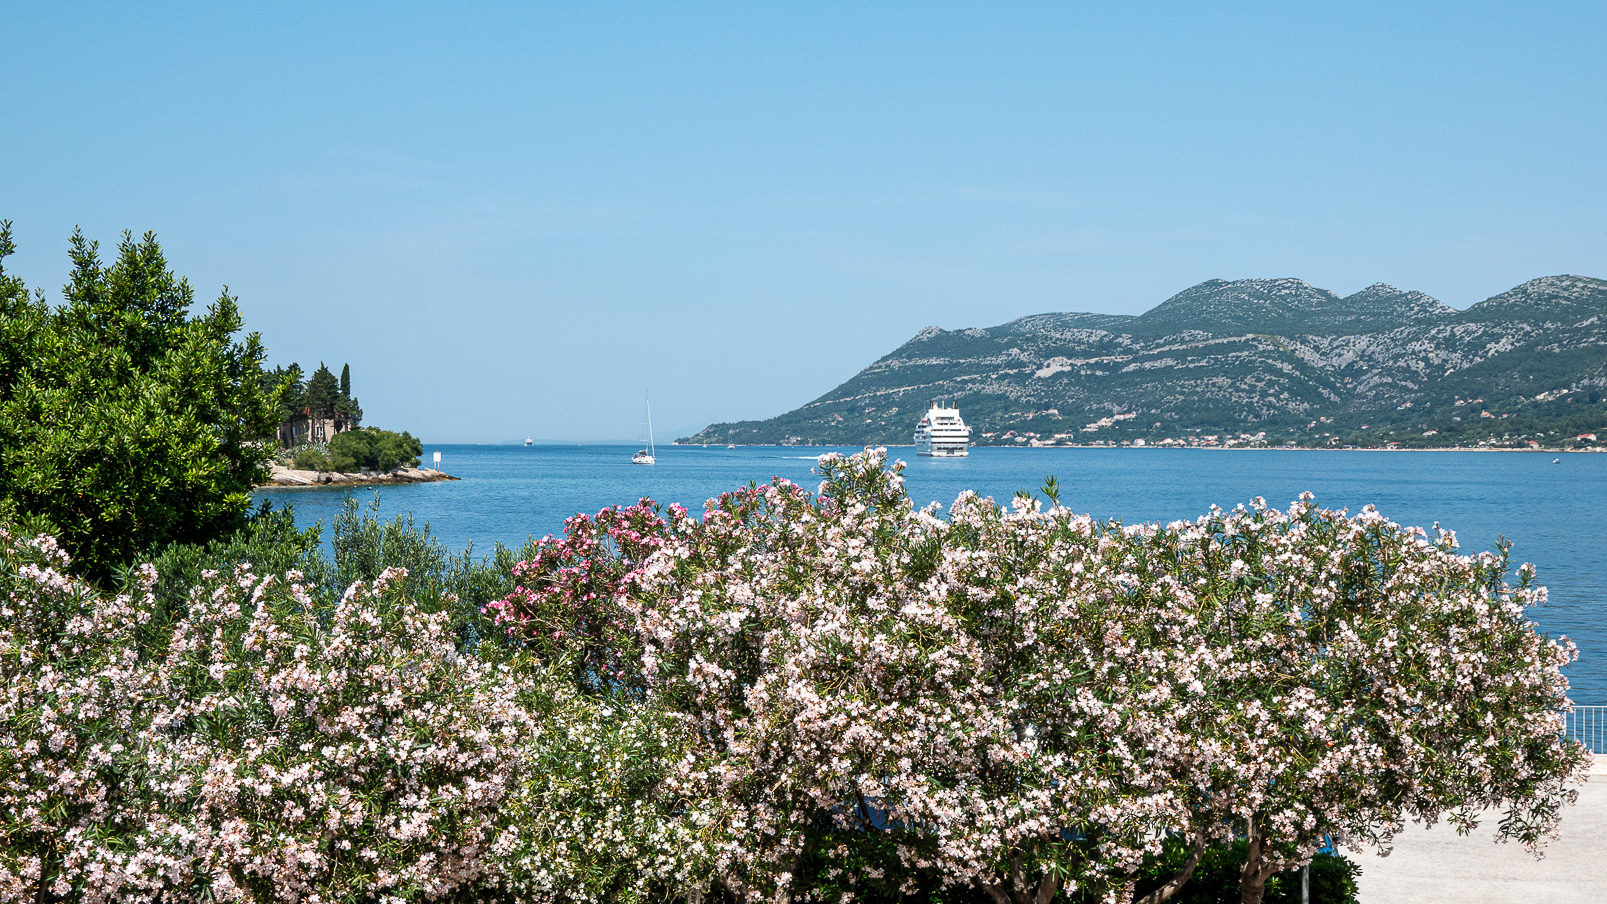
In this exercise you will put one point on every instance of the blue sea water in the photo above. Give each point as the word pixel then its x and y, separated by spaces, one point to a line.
pixel 1555 514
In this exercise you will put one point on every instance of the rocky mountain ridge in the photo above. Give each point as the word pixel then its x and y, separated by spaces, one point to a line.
pixel 1281 358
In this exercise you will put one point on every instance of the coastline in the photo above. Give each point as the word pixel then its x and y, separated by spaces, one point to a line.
pixel 281 477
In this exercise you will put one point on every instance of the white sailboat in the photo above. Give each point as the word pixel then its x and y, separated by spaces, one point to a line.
pixel 645 456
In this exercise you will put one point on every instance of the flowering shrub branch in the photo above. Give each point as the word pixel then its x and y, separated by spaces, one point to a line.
pixel 566 604
pixel 69 768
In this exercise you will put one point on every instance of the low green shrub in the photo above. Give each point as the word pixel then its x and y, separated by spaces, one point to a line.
pixel 371 449
pixel 287 456
pixel 311 460
pixel 270 543
pixel 363 547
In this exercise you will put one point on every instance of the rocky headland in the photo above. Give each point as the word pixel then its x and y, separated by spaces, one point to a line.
pixel 282 476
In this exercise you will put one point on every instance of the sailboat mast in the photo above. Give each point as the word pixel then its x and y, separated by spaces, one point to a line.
pixel 650 450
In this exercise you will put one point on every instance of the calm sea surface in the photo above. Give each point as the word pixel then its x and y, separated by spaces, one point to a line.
pixel 1555 514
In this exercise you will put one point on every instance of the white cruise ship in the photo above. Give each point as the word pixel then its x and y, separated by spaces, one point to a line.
pixel 942 434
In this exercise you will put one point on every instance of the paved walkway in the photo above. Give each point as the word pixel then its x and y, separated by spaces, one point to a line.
pixel 1438 866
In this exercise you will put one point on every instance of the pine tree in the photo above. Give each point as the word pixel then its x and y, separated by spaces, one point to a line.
pixel 294 398
pixel 323 392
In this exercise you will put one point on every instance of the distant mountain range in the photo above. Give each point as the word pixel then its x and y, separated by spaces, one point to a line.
pixel 1244 362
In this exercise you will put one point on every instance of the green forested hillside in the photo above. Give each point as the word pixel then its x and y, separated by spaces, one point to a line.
pixel 1265 361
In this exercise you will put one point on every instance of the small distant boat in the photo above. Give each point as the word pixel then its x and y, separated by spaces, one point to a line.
pixel 731 446
pixel 646 456
pixel 529 441
pixel 1556 461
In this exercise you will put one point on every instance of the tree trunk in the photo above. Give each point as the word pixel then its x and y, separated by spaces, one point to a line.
pixel 1015 889
pixel 1253 877
pixel 1048 887
pixel 995 891
pixel 1174 884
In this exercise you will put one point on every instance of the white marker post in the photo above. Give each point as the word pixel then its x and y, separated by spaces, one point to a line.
pixel 437 461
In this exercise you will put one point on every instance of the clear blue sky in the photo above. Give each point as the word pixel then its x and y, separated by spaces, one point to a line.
pixel 513 219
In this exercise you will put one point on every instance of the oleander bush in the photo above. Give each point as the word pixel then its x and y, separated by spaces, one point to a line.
pixel 70 776
pixel 271 746
pixel 1027 701
pixel 331 753
pixel 269 544
pixel 802 695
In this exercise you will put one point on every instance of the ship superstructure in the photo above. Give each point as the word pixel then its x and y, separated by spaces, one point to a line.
pixel 942 433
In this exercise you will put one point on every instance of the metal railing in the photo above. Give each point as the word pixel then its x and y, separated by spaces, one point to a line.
pixel 1588 724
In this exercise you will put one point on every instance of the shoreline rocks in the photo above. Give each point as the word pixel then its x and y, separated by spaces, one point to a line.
pixel 281 476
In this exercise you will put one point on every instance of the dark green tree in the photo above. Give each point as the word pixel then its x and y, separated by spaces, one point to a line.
pixel 351 411
pixel 347 407
pixel 126 422
pixel 323 392
pixel 293 390
pixel 374 450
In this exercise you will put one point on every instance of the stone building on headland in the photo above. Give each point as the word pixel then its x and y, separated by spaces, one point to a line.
pixel 304 427
pixel 314 411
